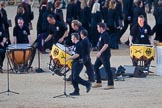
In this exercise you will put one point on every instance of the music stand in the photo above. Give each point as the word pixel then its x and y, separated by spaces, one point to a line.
pixel 8 87
pixel 64 94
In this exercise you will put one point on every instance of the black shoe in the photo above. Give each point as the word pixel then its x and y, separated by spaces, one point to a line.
pixel 88 87
pixel 74 94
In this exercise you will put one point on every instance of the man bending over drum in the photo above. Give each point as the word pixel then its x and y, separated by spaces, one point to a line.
pixel 57 32
pixel 141 34
pixel 77 66
pixel 21 32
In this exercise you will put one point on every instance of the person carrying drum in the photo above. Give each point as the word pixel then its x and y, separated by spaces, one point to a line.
pixel 141 34
pixel 86 54
pixel 58 31
pixel 103 57
pixel 77 66
pixel 21 32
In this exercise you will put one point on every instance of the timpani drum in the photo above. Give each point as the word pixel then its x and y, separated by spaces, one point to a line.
pixel 58 56
pixel 142 52
pixel 19 55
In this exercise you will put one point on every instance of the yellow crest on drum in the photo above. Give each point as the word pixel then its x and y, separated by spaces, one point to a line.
pixel 58 54
pixel 142 52
pixel 149 52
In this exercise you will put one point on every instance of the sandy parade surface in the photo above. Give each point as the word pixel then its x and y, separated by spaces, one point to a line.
pixel 37 89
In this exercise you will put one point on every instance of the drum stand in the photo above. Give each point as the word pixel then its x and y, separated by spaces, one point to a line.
pixel 8 87
pixel 64 94
pixel 39 70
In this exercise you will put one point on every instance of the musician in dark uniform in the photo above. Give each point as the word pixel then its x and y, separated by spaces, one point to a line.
pixel 86 45
pixel 58 31
pixel 103 57
pixel 141 34
pixel 77 66
pixel 21 32
pixel 3 40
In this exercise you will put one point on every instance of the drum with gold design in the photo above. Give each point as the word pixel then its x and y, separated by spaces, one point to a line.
pixel 58 64
pixel 142 52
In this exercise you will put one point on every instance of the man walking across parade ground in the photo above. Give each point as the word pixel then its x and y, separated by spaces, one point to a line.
pixel 77 66
pixel 103 57
pixel 86 54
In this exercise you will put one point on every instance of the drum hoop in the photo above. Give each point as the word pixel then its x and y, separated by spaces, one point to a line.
pixel 28 48
pixel 147 45
pixel 63 50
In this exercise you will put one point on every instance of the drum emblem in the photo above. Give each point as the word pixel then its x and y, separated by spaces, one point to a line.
pixel 148 51
pixel 56 52
pixel 138 51
pixel 62 56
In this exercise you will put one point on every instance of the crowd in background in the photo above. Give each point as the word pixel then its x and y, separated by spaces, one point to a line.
pixel 117 14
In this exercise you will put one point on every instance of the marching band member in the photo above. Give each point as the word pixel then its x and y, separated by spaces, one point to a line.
pixel 58 31
pixel 103 57
pixel 86 54
pixel 141 34
pixel 77 66
pixel 2 44
pixel 21 32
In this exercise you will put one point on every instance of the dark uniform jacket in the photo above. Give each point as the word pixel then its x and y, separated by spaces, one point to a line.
pixel 86 45
pixel 21 34
pixel 1 36
pixel 141 35
pixel 57 30
pixel 104 39
pixel 77 49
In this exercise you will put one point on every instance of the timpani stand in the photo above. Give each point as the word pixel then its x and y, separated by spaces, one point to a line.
pixel 8 78
pixel 39 69
pixel 142 53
